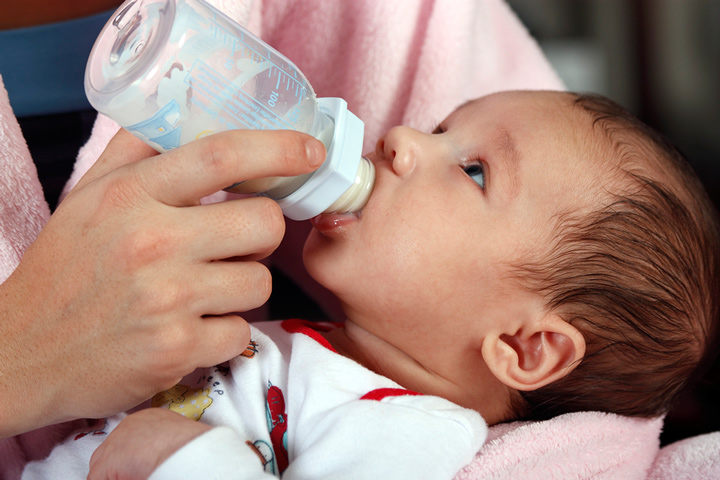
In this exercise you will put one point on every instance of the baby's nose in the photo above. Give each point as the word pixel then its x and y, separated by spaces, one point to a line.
pixel 400 148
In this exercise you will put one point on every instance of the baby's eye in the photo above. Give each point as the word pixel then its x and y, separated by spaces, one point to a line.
pixel 476 172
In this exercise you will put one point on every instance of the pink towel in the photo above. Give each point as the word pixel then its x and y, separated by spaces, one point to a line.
pixel 23 209
pixel 587 445
pixel 694 458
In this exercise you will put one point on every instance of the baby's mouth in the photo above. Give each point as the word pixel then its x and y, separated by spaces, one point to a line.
pixel 334 222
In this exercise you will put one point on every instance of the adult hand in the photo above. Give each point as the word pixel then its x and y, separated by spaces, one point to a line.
pixel 141 442
pixel 128 287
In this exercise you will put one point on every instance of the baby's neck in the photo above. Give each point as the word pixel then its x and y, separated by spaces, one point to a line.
pixel 462 384
pixel 378 355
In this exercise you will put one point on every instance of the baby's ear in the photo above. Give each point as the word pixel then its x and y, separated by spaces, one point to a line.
pixel 534 355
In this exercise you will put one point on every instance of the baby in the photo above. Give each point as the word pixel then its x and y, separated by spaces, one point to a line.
pixel 539 253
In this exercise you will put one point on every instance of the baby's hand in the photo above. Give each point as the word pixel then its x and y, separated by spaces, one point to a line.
pixel 141 442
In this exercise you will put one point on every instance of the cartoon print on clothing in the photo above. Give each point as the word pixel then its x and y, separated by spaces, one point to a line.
pixel 214 384
pixel 277 424
pixel 265 453
pixel 181 399
pixel 330 409
pixel 99 429
pixel 223 369
pixel 251 350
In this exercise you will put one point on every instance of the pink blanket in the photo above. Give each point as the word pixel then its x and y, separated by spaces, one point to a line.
pixel 401 62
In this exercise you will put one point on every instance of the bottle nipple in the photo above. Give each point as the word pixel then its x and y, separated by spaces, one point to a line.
pixel 358 194
pixel 344 181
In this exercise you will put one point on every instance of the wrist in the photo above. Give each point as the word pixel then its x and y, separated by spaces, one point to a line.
pixel 28 383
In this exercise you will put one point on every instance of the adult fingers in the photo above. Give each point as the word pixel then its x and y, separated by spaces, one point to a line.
pixel 184 175
pixel 123 148
pixel 251 226
pixel 229 286
pixel 223 337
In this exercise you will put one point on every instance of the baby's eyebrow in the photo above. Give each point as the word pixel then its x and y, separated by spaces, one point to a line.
pixel 511 158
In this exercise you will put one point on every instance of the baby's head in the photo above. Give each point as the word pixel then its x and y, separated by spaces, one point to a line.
pixel 539 253
pixel 637 275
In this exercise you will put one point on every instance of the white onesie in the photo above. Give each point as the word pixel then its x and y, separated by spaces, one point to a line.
pixel 291 405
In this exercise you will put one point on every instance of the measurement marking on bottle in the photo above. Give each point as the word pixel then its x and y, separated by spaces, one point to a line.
pixel 247 50
pixel 273 99
pixel 232 100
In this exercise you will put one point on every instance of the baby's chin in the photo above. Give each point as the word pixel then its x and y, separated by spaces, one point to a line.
pixel 329 243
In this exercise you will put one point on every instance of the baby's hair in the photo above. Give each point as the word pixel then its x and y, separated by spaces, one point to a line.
pixel 639 277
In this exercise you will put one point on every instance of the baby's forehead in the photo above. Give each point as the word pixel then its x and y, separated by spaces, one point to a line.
pixel 594 141
pixel 528 110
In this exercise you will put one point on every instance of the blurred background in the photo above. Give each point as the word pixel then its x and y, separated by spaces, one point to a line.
pixel 658 58
pixel 661 60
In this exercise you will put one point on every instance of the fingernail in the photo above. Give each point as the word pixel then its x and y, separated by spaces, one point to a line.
pixel 315 151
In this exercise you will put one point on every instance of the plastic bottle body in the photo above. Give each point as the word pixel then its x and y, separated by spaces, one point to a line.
pixel 172 71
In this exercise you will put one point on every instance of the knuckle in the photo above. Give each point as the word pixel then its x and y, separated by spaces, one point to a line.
pixel 263 283
pixel 291 149
pixel 171 343
pixel 256 283
pixel 119 192
pixel 161 300
pixel 235 342
pixel 287 157
pixel 141 247
pixel 217 156
pixel 272 215
pixel 265 219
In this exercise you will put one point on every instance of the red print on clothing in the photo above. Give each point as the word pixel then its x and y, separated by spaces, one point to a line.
pixel 381 393
pixel 311 329
pixel 277 423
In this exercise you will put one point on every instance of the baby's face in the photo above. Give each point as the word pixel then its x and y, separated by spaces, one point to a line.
pixel 450 211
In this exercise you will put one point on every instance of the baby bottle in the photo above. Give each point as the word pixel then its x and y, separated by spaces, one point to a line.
pixel 171 71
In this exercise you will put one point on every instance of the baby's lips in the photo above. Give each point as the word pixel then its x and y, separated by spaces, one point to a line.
pixel 333 222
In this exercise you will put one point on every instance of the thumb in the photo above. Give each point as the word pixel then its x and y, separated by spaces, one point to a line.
pixel 182 176
pixel 124 148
